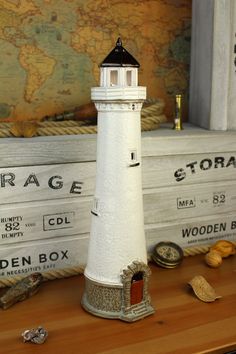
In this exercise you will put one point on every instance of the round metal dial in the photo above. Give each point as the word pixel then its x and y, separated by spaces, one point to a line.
pixel 168 254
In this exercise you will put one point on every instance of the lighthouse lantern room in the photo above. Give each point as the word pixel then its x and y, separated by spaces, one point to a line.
pixel 117 274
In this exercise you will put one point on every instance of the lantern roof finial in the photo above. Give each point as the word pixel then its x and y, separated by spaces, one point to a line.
pixel 119 56
pixel 119 42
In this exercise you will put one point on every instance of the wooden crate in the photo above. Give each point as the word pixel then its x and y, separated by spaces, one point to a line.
pixel 47 186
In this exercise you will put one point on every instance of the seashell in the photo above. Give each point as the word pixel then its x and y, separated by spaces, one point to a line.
pixel 213 259
pixel 225 248
pixel 202 289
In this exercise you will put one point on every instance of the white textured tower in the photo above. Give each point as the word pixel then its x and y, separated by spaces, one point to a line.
pixel 117 273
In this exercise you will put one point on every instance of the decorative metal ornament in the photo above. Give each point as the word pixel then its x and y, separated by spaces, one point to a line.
pixel 167 254
pixel 178 113
pixel 36 336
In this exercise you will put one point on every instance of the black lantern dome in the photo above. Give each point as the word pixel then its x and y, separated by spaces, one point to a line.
pixel 119 57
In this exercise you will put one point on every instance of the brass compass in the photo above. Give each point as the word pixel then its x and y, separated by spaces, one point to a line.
pixel 167 254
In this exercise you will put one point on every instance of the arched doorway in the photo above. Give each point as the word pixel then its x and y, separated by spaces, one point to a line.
pixel 136 300
pixel 136 291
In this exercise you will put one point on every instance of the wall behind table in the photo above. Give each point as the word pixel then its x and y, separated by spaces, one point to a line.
pixel 50 50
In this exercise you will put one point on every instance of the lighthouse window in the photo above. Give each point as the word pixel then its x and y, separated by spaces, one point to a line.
pixel 133 155
pixel 113 78
pixel 94 210
pixel 133 159
pixel 129 78
pixel 95 204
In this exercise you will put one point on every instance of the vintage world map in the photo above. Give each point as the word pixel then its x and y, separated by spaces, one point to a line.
pixel 50 50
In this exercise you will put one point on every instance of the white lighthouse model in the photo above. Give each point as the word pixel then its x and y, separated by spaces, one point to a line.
pixel 117 273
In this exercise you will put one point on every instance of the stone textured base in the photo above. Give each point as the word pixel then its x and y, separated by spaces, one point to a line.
pixel 97 312
pixel 108 302
pixel 135 314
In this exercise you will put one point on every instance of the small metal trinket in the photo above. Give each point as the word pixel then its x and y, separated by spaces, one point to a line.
pixel 167 254
pixel 36 336
pixel 21 290
pixel 178 113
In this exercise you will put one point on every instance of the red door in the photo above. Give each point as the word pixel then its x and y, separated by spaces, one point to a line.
pixel 136 293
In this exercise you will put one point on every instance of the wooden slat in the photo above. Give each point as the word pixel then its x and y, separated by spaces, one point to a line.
pixel 187 233
pixel 44 220
pixel 31 183
pixel 81 148
pixel 191 140
pixel 42 256
pixel 174 206
pixel 179 170
pixel 193 232
pixel 47 150
pixel 28 183
pixel 179 203
pixel 212 84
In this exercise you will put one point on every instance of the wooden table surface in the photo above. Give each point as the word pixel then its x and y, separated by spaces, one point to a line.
pixel 181 324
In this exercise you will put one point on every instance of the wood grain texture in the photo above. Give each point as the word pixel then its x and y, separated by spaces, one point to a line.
pixel 182 324
pixel 201 62
pixel 73 159
pixel 162 204
pixel 82 148
pixel 71 180
pixel 232 85
pixel 43 255
pixel 159 171
pixel 190 233
pixel 44 220
pixel 221 65
pixel 162 207
pixel 193 231
pixel 35 209
pixel 46 182
pixel 212 91
pixel 47 150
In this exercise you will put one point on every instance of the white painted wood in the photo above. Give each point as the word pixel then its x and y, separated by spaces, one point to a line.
pixel 221 65
pixel 181 203
pixel 43 256
pixel 33 221
pixel 232 69
pixel 47 150
pixel 193 231
pixel 191 140
pixel 82 148
pixel 201 62
pixel 71 251
pixel 163 171
pixel 157 171
pixel 23 222
pixel 212 77
pixel 29 183
pixel 164 152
